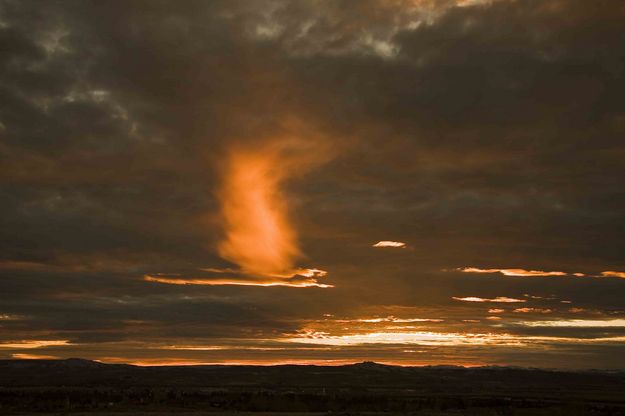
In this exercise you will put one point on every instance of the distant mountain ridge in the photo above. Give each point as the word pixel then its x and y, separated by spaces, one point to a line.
pixel 81 372
pixel 78 363
pixel 78 384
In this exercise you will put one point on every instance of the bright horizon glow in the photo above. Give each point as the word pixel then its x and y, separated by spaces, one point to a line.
pixel 418 338
pixel 440 339
pixel 269 362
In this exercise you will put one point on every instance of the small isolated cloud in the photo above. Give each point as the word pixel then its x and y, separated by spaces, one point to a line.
pixel 512 272
pixel 611 273
pixel 311 272
pixel 493 318
pixel 392 244
pixel 498 299
pixel 301 278
pixel 496 310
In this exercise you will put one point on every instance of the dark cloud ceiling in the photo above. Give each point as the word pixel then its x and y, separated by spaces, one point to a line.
pixel 482 134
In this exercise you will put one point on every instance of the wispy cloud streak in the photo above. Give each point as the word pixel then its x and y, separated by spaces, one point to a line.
pixel 613 274
pixel 389 244
pixel 499 299
pixel 512 272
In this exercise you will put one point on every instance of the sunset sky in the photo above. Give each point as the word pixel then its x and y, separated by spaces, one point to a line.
pixel 412 182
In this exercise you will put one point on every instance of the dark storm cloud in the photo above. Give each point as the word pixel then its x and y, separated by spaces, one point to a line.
pixel 505 113
pixel 483 136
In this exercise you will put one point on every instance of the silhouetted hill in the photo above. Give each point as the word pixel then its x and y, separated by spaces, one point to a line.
pixel 368 386
pixel 79 372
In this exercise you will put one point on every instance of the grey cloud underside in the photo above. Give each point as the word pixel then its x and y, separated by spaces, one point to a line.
pixel 491 136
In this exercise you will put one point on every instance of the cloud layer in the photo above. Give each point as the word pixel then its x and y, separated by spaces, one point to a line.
pixel 191 173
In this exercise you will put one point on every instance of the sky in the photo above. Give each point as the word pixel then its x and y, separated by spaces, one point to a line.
pixel 411 182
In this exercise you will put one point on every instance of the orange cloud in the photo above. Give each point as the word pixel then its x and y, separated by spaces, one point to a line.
pixel 396 320
pixel 417 338
pixel 610 273
pixel 496 310
pixel 580 323
pixel 7 317
pixel 28 344
pixel 152 362
pixel 392 244
pixel 354 337
pixel 33 357
pixel 499 299
pixel 532 310
pixel 258 236
pixel 512 272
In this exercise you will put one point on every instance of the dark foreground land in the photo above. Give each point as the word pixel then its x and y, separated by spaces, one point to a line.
pixel 85 387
